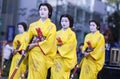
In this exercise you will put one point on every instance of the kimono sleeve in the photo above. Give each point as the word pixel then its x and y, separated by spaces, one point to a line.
pixel 28 38
pixel 85 44
pixel 15 42
pixel 99 49
pixel 48 46
pixel 69 46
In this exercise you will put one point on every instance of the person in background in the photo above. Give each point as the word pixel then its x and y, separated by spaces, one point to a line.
pixel 43 50
pixel 93 51
pixel 109 43
pixel 18 42
pixel 66 57
pixel 7 52
pixel 7 57
pixel 79 56
pixel 79 52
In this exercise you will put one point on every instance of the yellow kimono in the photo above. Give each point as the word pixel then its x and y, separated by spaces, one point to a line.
pixel 65 59
pixel 93 63
pixel 21 38
pixel 41 56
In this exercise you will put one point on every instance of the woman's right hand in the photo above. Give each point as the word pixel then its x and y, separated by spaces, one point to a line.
pixel 86 53
pixel 15 51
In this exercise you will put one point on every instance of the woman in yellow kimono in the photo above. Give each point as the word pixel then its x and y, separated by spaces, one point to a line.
pixel 65 58
pixel 18 42
pixel 93 60
pixel 42 51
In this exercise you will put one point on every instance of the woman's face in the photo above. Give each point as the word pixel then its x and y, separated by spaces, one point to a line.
pixel 20 29
pixel 65 23
pixel 93 27
pixel 43 11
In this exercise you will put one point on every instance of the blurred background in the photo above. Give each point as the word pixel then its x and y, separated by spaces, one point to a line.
pixel 107 12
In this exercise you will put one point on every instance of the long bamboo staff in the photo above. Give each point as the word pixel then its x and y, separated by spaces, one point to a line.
pixel 89 49
pixel 21 59
pixel 41 38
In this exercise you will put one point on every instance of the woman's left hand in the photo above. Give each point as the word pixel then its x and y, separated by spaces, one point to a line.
pixel 86 54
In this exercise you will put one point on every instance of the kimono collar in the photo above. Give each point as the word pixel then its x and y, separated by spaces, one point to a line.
pixel 64 30
pixel 95 32
pixel 46 21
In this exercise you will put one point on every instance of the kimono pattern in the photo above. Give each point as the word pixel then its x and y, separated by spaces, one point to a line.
pixel 66 57
pixel 41 56
pixel 93 63
pixel 18 43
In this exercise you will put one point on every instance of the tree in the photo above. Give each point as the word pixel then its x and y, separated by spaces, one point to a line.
pixel 113 20
pixel 117 2
pixel 114 25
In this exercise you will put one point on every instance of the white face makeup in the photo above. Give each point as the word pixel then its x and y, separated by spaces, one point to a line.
pixel 20 29
pixel 43 11
pixel 65 23
pixel 93 27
